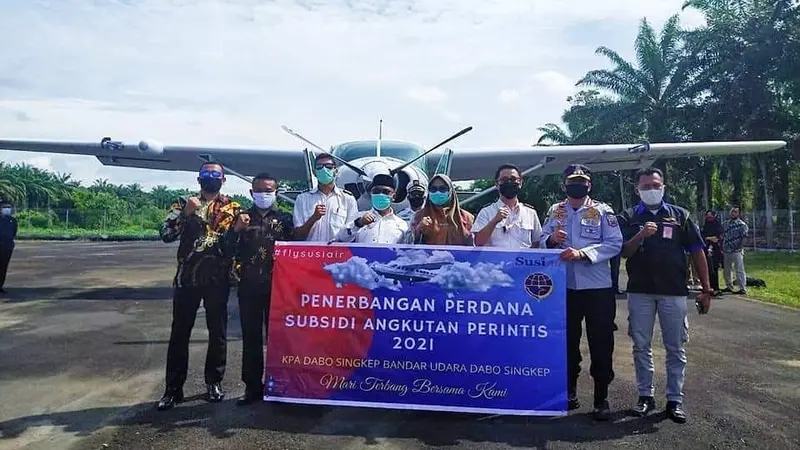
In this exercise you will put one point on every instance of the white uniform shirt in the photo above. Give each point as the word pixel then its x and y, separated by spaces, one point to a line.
pixel 341 212
pixel 388 229
pixel 521 229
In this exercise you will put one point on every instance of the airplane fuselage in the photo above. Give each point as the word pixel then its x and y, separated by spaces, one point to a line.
pixel 364 155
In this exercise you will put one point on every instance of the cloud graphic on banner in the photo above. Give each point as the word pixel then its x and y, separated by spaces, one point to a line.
pixel 416 256
pixel 480 278
pixel 356 270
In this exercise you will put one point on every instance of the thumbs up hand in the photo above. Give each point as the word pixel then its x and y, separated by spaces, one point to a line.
pixel 559 235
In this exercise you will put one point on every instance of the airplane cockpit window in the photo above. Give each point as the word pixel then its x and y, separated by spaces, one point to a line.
pixel 403 151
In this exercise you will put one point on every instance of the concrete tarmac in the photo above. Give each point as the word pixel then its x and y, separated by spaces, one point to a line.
pixel 83 338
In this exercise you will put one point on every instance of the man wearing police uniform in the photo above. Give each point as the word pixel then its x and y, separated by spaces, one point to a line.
pixel 588 232
pixel 250 243
pixel 321 213
pixel 507 223
pixel 657 237
pixel 416 199
pixel 379 225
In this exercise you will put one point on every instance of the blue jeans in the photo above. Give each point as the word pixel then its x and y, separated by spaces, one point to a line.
pixel 672 317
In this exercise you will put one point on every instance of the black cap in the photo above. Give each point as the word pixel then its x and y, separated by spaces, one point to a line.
pixel 577 171
pixel 383 180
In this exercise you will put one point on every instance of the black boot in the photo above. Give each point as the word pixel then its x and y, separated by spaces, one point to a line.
pixel 170 399
pixel 602 411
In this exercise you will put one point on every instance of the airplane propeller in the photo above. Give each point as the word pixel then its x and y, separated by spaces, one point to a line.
pixel 397 170
pixel 340 160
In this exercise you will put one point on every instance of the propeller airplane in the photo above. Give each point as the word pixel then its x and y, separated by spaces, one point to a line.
pixel 360 160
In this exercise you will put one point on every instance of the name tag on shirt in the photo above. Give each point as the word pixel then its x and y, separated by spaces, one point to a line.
pixel 667 232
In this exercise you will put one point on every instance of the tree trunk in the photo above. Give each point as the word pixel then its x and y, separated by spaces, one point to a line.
pixel 768 225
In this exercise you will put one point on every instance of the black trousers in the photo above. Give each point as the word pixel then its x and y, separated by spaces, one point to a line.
pixel 254 314
pixel 5 258
pixel 599 308
pixel 185 302
pixel 714 261
pixel 615 262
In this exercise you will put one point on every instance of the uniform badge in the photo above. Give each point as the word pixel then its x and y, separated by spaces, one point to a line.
pixel 560 213
pixel 667 232
pixel 591 214
pixel 611 220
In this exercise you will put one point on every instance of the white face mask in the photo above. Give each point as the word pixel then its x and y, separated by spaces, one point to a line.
pixel 652 197
pixel 263 200
pixel 6 211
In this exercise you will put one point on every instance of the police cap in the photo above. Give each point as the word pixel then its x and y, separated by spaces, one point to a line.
pixel 577 171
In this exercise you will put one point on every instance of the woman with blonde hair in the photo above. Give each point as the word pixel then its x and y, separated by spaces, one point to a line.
pixel 442 221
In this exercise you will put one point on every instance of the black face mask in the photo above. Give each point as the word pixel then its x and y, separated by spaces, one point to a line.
pixel 509 190
pixel 577 190
pixel 210 185
pixel 416 202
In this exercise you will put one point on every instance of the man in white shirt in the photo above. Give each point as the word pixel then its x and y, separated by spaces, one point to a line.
pixel 507 223
pixel 380 225
pixel 321 213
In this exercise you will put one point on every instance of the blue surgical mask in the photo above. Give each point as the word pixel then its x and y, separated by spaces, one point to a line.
pixel 324 175
pixel 381 201
pixel 440 198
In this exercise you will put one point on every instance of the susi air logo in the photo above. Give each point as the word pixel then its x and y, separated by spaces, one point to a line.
pixel 538 285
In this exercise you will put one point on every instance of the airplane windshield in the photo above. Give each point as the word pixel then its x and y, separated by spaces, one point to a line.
pixel 403 151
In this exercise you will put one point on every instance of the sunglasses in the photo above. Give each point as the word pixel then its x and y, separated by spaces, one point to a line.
pixel 205 173
pixel 325 166
pixel 439 189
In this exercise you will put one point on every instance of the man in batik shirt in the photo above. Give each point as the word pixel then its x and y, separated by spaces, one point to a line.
pixel 203 274
pixel 251 243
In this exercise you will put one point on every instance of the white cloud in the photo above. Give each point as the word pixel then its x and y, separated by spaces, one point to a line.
pixel 231 72
pixel 426 94
pixel 509 96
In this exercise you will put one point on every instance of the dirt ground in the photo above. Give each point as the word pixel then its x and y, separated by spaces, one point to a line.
pixel 83 338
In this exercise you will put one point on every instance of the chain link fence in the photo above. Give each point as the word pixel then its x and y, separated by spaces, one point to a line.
pixel 779 233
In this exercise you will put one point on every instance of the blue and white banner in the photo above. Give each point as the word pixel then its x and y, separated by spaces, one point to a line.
pixel 462 329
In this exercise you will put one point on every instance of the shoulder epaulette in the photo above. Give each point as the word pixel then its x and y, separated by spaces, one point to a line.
pixel 348 192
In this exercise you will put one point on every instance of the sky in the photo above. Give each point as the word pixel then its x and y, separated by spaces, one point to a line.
pixel 231 72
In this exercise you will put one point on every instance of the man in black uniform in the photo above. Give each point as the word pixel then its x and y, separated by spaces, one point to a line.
pixel 251 244
pixel 657 237
pixel 8 232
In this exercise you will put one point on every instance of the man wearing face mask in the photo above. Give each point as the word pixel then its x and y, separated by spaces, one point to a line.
pixel 416 199
pixel 734 231
pixel 657 237
pixel 321 213
pixel 507 223
pixel 379 225
pixel 250 243
pixel 8 232
pixel 203 274
pixel 589 234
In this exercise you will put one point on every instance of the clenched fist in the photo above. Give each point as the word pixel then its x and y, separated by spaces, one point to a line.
pixel 241 222
pixel 649 229
pixel 192 205
pixel 319 211
pixel 559 236
pixel 367 219
pixel 501 215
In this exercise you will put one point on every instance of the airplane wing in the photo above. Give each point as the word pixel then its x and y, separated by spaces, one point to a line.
pixel 473 163
pixel 288 164
pixel 429 266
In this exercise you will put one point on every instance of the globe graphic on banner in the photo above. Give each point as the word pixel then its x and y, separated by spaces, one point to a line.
pixel 538 285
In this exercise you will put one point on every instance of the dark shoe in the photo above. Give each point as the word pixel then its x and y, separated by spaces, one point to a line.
pixel 169 400
pixel 249 397
pixel 726 290
pixel 602 411
pixel 643 406
pixel 572 402
pixel 3 291
pixel 741 292
pixel 214 392
pixel 675 412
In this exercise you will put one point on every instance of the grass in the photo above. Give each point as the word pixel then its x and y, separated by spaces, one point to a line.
pixel 71 234
pixel 781 272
